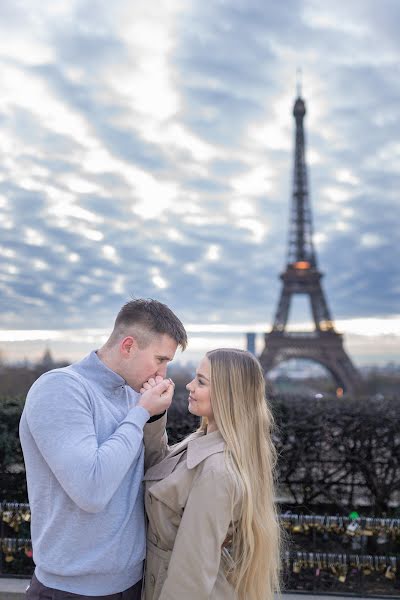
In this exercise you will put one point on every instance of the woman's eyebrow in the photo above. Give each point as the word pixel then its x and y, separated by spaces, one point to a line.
pixel 203 376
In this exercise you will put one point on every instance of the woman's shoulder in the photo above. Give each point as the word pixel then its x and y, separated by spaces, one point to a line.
pixel 215 463
pixel 217 479
pixel 218 467
pixel 203 448
pixel 209 456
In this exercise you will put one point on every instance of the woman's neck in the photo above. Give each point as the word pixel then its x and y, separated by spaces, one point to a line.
pixel 211 426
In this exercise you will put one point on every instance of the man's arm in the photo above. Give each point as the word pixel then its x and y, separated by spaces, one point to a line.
pixel 60 419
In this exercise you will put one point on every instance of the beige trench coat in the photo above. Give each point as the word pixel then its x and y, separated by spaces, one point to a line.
pixel 188 503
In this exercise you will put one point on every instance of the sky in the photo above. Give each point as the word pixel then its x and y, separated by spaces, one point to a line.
pixel 147 151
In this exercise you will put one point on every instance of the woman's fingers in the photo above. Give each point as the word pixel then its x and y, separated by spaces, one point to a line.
pixel 153 382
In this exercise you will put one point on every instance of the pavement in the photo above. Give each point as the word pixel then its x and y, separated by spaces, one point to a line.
pixel 305 596
pixel 14 589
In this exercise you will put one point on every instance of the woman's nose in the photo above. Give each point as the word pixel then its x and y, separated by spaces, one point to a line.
pixel 188 386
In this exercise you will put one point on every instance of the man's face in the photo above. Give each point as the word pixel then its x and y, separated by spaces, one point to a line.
pixel 149 362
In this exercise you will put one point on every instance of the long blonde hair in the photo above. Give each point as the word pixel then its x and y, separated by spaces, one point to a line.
pixel 245 422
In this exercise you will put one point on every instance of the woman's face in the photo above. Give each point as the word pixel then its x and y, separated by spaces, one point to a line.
pixel 200 392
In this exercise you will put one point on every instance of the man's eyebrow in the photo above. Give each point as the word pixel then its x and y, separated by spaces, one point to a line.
pixel 161 357
pixel 203 376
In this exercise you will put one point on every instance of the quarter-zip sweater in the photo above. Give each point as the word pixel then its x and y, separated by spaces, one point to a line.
pixel 82 438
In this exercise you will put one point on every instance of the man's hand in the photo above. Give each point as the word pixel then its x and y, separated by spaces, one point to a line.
pixel 156 395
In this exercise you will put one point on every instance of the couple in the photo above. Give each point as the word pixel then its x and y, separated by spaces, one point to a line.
pixel 94 441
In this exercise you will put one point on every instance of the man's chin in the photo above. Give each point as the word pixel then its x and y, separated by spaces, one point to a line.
pixel 135 386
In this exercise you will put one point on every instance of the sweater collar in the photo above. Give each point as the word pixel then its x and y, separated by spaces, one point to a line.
pixel 95 369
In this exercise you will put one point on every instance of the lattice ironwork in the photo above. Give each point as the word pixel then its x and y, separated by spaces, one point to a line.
pixel 302 276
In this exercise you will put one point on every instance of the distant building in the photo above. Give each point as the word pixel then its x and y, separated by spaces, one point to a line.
pixel 251 342
pixel 47 363
pixel 323 345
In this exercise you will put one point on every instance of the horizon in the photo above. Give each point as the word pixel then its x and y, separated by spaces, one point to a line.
pixel 368 341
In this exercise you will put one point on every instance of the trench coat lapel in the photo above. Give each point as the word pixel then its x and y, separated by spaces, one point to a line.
pixel 162 469
pixel 201 447
pixel 198 446
pixel 168 464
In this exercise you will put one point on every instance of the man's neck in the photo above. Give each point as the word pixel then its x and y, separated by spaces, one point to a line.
pixel 108 359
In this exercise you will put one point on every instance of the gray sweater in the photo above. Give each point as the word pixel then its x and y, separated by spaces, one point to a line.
pixel 82 438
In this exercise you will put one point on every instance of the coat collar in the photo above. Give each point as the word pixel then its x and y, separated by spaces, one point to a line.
pixel 202 446
pixel 198 447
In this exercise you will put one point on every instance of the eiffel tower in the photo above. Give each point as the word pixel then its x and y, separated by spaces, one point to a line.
pixel 323 345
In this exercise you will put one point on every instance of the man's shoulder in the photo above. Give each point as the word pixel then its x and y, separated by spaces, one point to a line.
pixel 58 379
pixel 63 373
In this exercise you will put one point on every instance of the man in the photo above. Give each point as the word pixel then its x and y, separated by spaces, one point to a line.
pixel 82 437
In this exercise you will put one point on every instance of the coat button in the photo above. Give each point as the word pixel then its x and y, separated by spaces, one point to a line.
pixel 152 579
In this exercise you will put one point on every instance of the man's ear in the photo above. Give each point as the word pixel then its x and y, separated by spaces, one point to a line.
pixel 128 346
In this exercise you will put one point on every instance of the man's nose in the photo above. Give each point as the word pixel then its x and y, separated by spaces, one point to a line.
pixel 162 371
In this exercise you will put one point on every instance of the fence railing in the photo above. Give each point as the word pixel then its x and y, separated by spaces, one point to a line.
pixel 324 553
pixel 342 554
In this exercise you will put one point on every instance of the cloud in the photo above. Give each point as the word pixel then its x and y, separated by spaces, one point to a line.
pixel 149 152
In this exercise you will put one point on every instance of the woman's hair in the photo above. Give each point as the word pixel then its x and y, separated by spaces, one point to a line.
pixel 245 422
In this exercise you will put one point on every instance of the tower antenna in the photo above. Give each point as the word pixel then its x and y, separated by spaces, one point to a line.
pixel 299 76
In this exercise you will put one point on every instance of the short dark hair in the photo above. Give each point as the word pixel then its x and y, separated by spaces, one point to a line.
pixel 152 317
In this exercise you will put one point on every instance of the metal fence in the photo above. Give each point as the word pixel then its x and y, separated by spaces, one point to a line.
pixel 324 554
pixel 347 555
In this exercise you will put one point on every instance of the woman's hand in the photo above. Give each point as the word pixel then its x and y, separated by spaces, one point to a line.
pixel 151 383
pixel 156 395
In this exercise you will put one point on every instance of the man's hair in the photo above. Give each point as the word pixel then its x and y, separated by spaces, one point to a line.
pixel 145 318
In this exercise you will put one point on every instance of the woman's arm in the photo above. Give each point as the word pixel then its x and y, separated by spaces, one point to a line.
pixel 155 441
pixel 196 555
pixel 154 434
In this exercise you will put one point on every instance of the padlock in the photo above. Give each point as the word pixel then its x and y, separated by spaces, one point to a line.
pixel 389 573
pixel 296 567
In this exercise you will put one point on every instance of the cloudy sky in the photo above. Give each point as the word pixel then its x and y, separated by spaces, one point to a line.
pixel 147 149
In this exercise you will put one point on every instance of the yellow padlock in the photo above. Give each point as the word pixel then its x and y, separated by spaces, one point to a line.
pixel 389 573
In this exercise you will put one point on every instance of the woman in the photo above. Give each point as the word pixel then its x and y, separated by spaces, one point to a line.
pixel 213 529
